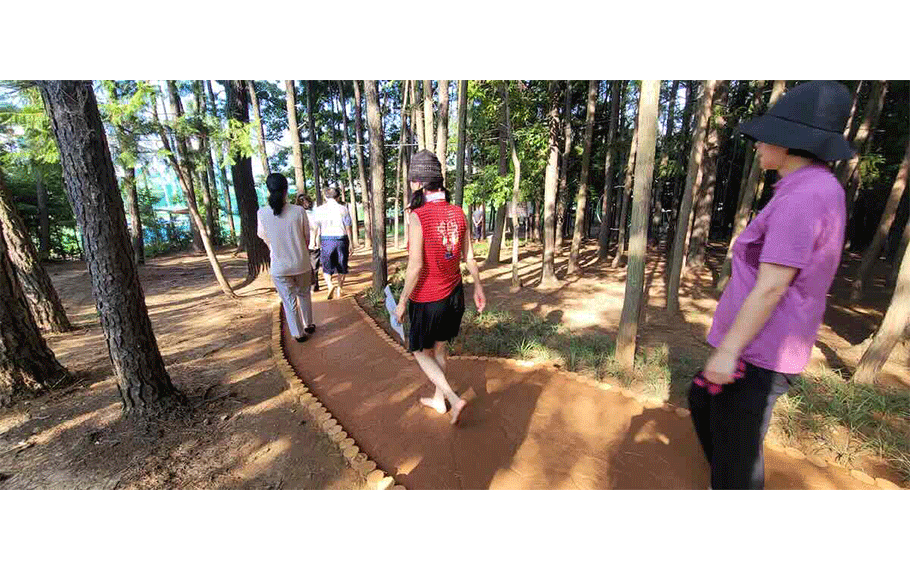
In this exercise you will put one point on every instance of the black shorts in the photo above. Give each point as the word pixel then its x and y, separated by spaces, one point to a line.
pixel 435 321
pixel 334 253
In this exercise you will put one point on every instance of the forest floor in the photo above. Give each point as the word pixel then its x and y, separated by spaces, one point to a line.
pixel 244 429
pixel 573 325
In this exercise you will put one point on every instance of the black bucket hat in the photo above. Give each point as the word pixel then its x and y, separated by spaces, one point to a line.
pixel 809 117
pixel 425 168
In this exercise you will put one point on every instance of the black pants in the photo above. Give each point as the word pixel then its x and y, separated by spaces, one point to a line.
pixel 314 265
pixel 732 424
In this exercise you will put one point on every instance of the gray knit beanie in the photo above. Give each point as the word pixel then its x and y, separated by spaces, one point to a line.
pixel 425 167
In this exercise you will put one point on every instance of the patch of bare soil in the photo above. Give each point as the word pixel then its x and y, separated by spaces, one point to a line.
pixel 241 429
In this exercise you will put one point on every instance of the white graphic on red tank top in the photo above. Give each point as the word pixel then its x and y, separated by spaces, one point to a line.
pixel 448 231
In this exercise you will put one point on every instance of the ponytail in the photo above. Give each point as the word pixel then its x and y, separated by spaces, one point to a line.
pixel 277 185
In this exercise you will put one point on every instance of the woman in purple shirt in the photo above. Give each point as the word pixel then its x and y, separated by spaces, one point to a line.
pixel 783 265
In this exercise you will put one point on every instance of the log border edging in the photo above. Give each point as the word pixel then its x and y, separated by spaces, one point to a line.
pixel 359 461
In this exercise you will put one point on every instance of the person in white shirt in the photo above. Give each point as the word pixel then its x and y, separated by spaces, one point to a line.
pixel 304 201
pixel 285 230
pixel 333 223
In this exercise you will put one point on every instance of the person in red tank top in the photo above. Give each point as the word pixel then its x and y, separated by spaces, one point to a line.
pixel 433 293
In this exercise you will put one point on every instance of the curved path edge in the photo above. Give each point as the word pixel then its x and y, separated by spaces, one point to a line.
pixel 357 460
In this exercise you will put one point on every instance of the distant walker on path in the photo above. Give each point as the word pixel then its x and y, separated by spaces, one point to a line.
pixel 333 223
pixel 433 293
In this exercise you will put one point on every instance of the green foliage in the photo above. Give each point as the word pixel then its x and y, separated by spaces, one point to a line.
pixel 870 169
pixel 237 135
pixel 127 105
pixel 22 118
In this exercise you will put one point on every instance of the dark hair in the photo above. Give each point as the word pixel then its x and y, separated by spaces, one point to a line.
pixel 278 189
pixel 331 192
pixel 304 200
pixel 418 199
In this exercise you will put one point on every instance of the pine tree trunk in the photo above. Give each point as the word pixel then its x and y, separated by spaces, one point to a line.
pixel 257 252
pixel 638 238
pixel 894 326
pixel 221 169
pixel 27 365
pixel 43 302
pixel 347 154
pixel 901 251
pixel 603 241
pixel 704 202
pixel 458 197
pixel 401 174
pixel 127 142
pixel 428 113
pixel 848 172
pixel 377 169
pixel 263 154
pixel 548 270
pixel 852 123
pixel 694 174
pixel 499 228
pixel 132 201
pixel 750 189
pixel 682 151
pixel 417 115
pixel 179 144
pixel 582 199
pixel 213 220
pixel 516 165
pixel 442 121
pixel 666 151
pixel 294 129
pixel 207 201
pixel 336 150
pixel 91 186
pixel 562 192
pixel 44 223
pixel 884 227
pixel 627 192
pixel 314 138
pixel 180 161
pixel 365 189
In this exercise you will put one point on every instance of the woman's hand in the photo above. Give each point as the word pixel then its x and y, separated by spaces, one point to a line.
pixel 720 367
pixel 400 310
pixel 479 299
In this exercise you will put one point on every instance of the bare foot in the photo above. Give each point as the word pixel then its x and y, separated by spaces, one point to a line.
pixel 437 405
pixel 456 410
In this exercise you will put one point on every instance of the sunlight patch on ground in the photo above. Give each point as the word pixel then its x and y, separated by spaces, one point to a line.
pixel 285 396
pixel 408 465
pixel 257 463
pixel 105 414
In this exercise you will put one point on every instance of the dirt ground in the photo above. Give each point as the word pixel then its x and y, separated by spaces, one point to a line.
pixel 244 429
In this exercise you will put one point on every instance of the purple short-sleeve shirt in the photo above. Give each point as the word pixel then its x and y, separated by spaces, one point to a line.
pixel 802 227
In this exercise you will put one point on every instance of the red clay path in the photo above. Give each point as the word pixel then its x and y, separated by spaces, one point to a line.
pixel 525 427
